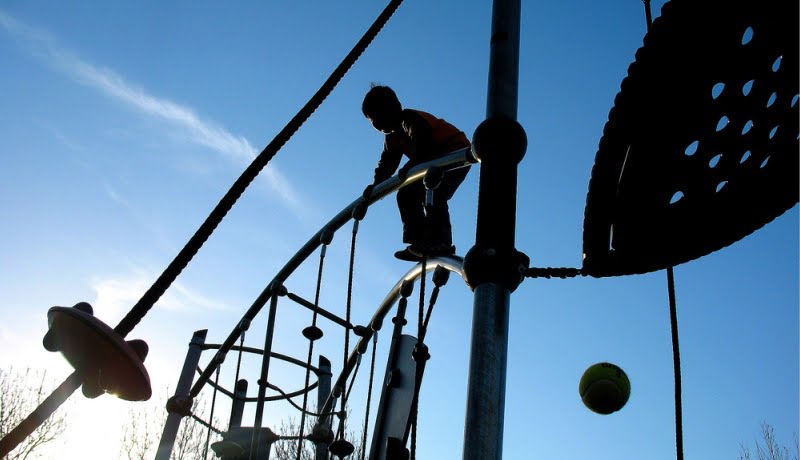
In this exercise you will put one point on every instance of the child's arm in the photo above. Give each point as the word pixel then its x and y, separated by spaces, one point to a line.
pixel 393 147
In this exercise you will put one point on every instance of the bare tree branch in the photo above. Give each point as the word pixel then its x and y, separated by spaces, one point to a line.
pixel 20 393
pixel 769 448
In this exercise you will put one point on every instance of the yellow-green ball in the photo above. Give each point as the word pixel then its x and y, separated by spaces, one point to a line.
pixel 604 388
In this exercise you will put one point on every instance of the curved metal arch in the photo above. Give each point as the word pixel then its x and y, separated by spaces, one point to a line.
pixel 457 159
pixel 258 351
pixel 453 264
pixel 282 396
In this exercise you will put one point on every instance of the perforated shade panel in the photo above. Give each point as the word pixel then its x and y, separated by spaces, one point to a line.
pixel 701 146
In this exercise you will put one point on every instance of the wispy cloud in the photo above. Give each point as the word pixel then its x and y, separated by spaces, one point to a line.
pixel 115 295
pixel 201 131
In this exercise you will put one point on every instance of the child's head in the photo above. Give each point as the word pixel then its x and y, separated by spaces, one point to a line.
pixel 382 108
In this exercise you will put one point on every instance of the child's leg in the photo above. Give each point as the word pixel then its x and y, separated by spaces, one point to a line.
pixel 410 200
pixel 438 216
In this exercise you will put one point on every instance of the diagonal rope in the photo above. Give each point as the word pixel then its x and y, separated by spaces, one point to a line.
pixel 194 244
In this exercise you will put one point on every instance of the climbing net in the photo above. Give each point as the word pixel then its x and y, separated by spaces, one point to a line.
pixel 332 421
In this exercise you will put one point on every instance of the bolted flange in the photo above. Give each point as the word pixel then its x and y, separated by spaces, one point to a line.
pixel 490 265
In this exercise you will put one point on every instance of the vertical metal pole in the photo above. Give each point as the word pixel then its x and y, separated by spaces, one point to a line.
pixel 492 266
pixel 262 382
pixel 237 405
pixel 181 391
pixel 323 391
pixel 483 429
pixel 504 60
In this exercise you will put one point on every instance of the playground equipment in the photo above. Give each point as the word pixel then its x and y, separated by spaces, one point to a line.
pixel 689 162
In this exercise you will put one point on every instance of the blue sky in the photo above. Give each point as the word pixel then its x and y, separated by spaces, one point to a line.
pixel 123 124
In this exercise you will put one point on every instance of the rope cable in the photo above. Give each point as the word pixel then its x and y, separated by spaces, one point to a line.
pixel 353 378
pixel 676 363
pixel 351 270
pixel 431 303
pixel 211 415
pixel 369 394
pixel 310 351
pixel 345 395
pixel 239 358
pixel 194 244
pixel 552 272
pixel 419 359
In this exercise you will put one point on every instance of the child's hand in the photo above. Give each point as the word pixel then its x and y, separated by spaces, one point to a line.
pixel 368 191
pixel 402 173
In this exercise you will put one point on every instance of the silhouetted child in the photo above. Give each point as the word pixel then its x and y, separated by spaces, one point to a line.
pixel 421 137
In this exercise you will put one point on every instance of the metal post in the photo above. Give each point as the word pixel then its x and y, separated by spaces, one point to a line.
pixel 323 391
pixel 483 430
pixel 181 391
pixel 237 405
pixel 262 382
pixel 492 267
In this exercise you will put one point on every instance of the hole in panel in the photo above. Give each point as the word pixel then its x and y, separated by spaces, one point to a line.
pixel 692 148
pixel 777 64
pixel 676 197
pixel 794 100
pixel 717 90
pixel 721 185
pixel 764 163
pixel 714 161
pixel 722 123
pixel 771 99
pixel 747 36
pixel 745 156
pixel 747 127
pixel 772 132
pixel 747 87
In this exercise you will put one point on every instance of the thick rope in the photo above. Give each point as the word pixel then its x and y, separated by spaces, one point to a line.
pixel 186 254
pixel 369 394
pixel 431 303
pixel 310 351
pixel 676 363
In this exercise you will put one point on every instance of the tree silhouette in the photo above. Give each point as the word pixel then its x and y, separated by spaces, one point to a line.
pixel 20 393
pixel 769 448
